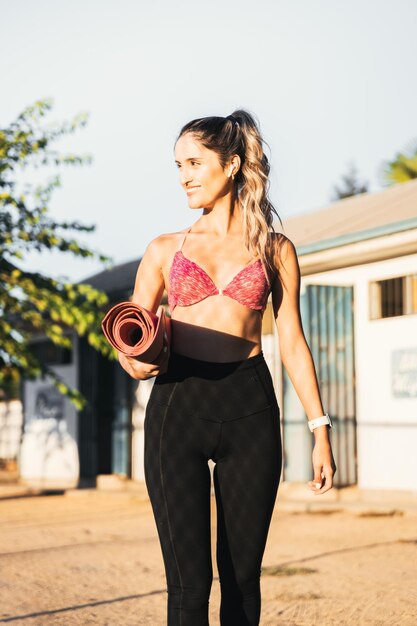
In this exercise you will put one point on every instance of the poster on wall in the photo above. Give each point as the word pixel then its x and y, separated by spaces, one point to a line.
pixel 404 373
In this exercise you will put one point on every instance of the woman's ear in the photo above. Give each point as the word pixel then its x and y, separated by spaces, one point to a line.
pixel 234 166
pixel 236 163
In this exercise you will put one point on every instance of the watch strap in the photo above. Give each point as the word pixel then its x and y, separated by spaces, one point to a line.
pixel 320 421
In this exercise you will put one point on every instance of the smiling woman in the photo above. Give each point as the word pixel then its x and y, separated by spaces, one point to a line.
pixel 206 148
pixel 213 396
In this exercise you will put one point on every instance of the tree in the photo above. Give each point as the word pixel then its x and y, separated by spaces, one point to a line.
pixel 352 186
pixel 402 168
pixel 30 302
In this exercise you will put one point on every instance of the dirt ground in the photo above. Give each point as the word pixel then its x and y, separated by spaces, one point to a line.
pixel 91 557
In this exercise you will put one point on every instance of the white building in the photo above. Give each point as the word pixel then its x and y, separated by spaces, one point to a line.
pixel 358 261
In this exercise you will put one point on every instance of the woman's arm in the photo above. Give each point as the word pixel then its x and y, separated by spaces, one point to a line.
pixel 148 291
pixel 297 359
pixel 149 283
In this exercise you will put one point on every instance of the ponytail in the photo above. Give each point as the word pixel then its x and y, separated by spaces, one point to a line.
pixel 239 134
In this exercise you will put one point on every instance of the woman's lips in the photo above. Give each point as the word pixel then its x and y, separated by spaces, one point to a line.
pixel 191 190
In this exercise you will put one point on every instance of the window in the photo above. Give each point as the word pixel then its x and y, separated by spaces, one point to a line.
pixel 50 354
pixel 393 296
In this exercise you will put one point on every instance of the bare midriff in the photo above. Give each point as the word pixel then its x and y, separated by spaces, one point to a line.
pixel 216 329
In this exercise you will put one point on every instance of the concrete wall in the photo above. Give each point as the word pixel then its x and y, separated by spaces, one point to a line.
pixel 11 421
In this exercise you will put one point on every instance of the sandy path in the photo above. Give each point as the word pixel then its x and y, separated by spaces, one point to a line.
pixel 91 557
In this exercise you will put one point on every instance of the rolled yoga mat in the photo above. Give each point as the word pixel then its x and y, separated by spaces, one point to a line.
pixel 136 331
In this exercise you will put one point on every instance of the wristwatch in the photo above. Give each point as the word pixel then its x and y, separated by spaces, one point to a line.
pixel 320 421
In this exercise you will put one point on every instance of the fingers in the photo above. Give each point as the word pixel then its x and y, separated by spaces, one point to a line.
pixel 136 369
pixel 141 370
pixel 317 482
pixel 149 369
pixel 322 481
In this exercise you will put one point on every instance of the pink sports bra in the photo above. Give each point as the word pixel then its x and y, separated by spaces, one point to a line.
pixel 190 284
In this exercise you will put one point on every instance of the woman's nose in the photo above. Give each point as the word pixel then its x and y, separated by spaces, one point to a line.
pixel 185 176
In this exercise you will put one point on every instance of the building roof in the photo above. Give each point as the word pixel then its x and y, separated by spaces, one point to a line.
pixel 357 218
pixel 117 282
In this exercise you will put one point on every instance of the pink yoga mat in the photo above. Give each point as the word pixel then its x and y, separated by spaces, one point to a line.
pixel 136 331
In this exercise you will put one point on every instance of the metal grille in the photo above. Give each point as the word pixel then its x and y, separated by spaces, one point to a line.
pixel 327 316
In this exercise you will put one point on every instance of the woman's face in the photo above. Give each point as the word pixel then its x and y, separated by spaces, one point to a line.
pixel 201 174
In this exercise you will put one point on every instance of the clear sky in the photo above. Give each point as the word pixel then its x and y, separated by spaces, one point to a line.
pixel 330 81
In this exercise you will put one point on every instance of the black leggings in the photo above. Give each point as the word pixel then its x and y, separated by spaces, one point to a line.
pixel 227 412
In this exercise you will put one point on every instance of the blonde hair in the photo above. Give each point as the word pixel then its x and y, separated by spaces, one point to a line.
pixel 239 134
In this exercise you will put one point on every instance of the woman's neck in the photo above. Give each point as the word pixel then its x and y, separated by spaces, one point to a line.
pixel 223 218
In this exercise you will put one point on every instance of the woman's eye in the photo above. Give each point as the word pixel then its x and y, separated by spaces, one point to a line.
pixel 192 163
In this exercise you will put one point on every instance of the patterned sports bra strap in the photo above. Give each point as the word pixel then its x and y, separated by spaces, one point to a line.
pixel 266 273
pixel 183 239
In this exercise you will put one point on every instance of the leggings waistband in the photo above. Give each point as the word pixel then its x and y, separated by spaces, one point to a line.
pixel 199 366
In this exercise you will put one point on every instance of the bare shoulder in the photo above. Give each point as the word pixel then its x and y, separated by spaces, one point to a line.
pixel 284 253
pixel 164 242
pixel 161 247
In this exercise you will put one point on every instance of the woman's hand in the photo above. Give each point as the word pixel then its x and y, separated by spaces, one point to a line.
pixel 323 463
pixel 142 371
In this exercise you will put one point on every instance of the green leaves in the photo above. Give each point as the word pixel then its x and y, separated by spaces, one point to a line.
pixel 32 303
pixel 402 168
